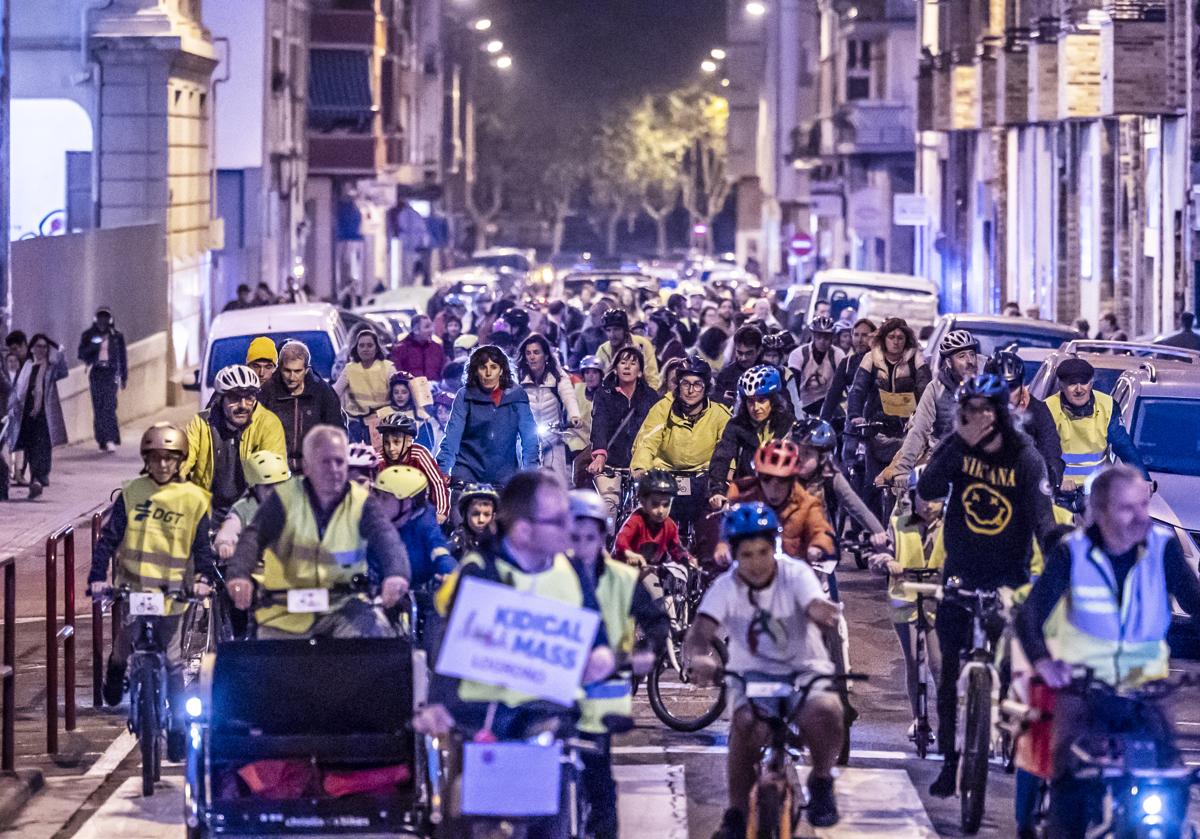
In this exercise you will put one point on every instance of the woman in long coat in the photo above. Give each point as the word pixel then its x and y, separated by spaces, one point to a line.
pixel 37 424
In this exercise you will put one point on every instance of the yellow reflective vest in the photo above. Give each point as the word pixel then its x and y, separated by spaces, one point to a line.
pixel 614 591
pixel 559 582
pixel 1084 439
pixel 668 441
pixel 263 433
pixel 302 557
pixel 913 550
pixel 161 525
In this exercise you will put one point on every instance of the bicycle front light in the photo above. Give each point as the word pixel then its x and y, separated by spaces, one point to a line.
pixel 194 707
pixel 1152 804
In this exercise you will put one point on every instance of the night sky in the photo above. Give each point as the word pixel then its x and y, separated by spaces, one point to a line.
pixel 571 53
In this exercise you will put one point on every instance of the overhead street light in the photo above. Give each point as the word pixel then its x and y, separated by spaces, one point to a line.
pixel 482 25
pixel 717 53
pixel 724 82
pixel 494 46
pixel 708 65
pixel 755 8
pixel 504 62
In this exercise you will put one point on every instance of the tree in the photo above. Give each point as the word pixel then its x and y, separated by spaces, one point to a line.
pixel 488 138
pixel 705 186
pixel 614 192
pixel 656 160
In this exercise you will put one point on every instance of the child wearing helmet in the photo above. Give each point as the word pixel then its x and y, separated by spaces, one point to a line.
pixel 363 462
pixel 403 492
pixel 156 538
pixel 650 534
pixel 477 513
pixel 822 477
pixel 401 400
pixel 263 471
pixel 762 414
pixel 398 433
pixel 773 611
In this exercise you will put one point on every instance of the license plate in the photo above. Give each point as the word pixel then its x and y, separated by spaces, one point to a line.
pixel 768 690
pixel 308 600
pixel 683 486
pixel 147 603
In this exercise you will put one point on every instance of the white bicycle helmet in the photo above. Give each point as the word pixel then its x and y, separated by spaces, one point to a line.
pixel 957 340
pixel 236 377
pixel 822 325
pixel 362 456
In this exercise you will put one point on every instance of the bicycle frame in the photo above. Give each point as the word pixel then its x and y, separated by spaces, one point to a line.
pixel 981 656
pixel 147 671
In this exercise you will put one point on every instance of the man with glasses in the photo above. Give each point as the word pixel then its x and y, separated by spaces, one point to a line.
pixel 224 437
pixel 301 399
pixel 530 555
pixel 679 435
pixel 772 610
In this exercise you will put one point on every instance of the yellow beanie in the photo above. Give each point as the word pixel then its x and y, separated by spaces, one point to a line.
pixel 262 348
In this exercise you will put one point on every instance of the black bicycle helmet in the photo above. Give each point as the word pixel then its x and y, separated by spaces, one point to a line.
pixel 984 386
pixel 656 480
pixel 475 492
pixel 696 367
pixel 780 342
pixel 664 318
pixel 821 325
pixel 1008 366
pixel 398 423
pixel 614 318
pixel 517 318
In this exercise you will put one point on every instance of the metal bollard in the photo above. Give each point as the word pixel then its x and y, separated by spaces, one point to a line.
pixel 97 627
pixel 66 536
pixel 8 665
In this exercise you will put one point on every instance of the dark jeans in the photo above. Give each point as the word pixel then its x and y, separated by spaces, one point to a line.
pixel 694 510
pixel 600 788
pixel 34 440
pixel 953 626
pixel 102 380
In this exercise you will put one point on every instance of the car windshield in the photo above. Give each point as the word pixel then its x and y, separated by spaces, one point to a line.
pixel 843 295
pixel 513 261
pixel 991 340
pixel 232 350
pixel 574 282
pixel 1160 433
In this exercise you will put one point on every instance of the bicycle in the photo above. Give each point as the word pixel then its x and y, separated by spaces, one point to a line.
pixel 697 707
pixel 978 694
pixel 837 643
pixel 627 499
pixel 773 798
pixel 917 582
pixel 147 675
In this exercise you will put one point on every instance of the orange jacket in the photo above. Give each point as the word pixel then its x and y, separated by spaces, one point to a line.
pixel 802 517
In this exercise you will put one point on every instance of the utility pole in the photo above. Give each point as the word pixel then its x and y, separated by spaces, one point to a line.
pixel 5 292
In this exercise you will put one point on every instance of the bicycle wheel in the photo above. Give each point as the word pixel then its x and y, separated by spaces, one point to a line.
pixel 770 813
pixel 148 731
pixel 837 654
pixel 977 733
pixel 680 704
pixel 924 732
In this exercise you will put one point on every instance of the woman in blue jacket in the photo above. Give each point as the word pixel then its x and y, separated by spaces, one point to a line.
pixel 491 434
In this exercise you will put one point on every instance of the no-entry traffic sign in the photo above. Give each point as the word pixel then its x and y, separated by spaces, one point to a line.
pixel 801 244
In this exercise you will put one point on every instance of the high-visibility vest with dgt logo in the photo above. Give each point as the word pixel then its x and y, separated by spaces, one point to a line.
pixel 161 524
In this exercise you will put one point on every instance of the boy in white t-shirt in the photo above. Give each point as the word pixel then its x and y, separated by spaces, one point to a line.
pixel 772 608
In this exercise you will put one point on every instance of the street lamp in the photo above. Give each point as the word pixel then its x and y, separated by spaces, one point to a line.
pixel 503 62
pixel 483 24
pixel 717 53
pixel 724 82
pixel 494 46
pixel 708 65
pixel 755 8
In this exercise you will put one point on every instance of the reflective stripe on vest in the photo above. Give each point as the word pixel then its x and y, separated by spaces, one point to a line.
pixel 304 558
pixel 1084 439
pixel 614 591
pixel 1122 640
pixel 161 525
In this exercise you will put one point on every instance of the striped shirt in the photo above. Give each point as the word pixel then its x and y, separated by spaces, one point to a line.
pixel 421 459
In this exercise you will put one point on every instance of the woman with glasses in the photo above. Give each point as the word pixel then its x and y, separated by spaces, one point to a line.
pixel 37 417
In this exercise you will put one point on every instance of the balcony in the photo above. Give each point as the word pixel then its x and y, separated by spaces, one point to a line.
pixel 872 126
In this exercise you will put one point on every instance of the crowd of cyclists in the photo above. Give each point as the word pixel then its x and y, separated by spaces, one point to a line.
pixel 568 449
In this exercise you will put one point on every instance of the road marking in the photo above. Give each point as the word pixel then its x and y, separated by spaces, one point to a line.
pixel 875 803
pixel 720 749
pixel 129 815
pixel 652 801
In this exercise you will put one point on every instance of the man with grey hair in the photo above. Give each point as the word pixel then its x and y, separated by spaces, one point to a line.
pixel 316 537
pixel 300 398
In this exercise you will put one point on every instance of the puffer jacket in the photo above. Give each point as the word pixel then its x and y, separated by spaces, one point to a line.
pixel 668 440
pixel 737 446
pixel 933 420
pixel 909 375
pixel 552 401
pixel 802 517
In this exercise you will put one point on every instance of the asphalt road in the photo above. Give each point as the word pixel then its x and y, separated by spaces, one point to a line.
pixel 671 784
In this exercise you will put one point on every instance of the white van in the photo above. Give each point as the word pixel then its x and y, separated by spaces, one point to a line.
pixel 316 324
pixel 876 295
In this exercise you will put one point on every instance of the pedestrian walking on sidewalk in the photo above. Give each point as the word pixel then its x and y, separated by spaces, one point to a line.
pixel 36 412
pixel 102 349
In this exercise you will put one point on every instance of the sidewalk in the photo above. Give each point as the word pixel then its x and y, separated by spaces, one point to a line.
pixel 81 481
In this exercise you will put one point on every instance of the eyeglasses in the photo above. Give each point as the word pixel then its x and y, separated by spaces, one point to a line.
pixel 686 385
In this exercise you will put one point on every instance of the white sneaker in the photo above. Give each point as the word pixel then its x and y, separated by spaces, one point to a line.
pixel 110 446
pixel 912 731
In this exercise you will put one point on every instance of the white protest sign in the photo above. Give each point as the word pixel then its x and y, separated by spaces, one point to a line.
pixel 503 637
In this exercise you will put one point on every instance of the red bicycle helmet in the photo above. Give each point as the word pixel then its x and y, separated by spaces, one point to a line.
pixel 777 458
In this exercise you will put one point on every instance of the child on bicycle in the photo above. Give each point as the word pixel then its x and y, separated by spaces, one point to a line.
pixel 771 609
pixel 157 539
pixel 263 470
pixel 916 537
pixel 822 477
pixel 403 493
pixel 477 509
pixel 650 534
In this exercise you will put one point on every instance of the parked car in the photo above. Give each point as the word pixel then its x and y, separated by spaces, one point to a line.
pixel 1159 403
pixel 318 325
pixel 875 295
pixel 1109 358
pixel 1033 338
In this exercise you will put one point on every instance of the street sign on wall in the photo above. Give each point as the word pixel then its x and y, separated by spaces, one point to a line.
pixel 910 209
pixel 801 244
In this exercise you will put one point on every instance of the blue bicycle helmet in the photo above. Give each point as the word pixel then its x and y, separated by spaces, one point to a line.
pixel 760 380
pixel 744 520
pixel 984 386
